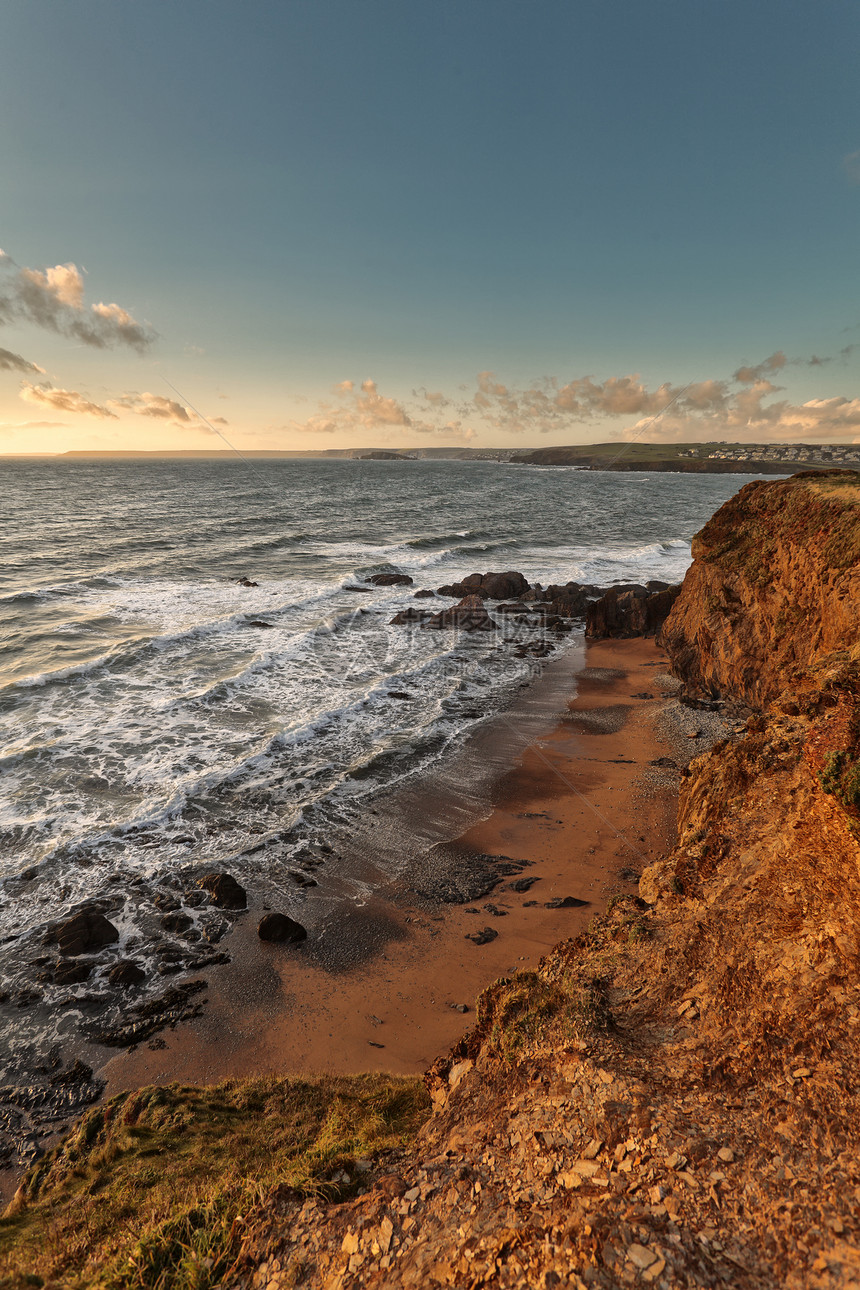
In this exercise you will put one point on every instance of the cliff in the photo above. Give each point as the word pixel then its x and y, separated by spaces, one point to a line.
pixel 775 585
pixel 671 1099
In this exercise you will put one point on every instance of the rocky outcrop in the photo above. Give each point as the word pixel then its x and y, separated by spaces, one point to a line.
pixel 491 586
pixel 389 580
pixel 774 586
pixel 85 932
pixel 225 890
pixel 281 929
pixel 630 610
pixel 469 615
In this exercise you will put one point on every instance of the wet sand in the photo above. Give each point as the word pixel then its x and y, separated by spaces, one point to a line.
pixel 575 807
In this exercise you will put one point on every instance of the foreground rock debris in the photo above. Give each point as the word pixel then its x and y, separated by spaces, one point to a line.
pixel 671 1099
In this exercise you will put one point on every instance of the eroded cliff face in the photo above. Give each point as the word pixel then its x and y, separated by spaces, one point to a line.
pixel 775 585
pixel 760 899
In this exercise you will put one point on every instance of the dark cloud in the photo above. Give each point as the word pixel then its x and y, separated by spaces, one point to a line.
pixel 10 362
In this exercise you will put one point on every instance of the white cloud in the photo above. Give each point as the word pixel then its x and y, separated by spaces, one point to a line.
pixel 53 299
pixel 64 401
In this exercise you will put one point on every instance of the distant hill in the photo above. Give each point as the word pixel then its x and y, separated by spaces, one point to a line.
pixel 695 458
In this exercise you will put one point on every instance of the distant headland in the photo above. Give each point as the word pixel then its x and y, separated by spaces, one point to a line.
pixel 693 458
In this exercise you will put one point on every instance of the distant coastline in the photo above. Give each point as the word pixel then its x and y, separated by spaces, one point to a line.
pixel 686 458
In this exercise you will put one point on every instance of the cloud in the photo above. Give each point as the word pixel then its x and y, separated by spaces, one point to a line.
pixel 746 407
pixel 10 362
pixel 768 367
pixel 144 405
pixel 155 405
pixel 851 166
pixel 163 409
pixel 64 401
pixel 53 299
pixel 362 409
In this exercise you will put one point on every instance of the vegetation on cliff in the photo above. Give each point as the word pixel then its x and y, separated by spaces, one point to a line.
pixel 150 1189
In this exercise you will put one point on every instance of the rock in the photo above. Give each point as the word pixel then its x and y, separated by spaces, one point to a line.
pixel 483 937
pixel 503 586
pixel 627 611
pixel 664 761
pixel 726 1155
pixel 282 929
pixel 522 884
pixel 425 595
pixel 566 902
pixel 176 921
pixel 640 1256
pixel 85 932
pixel 469 614
pixel 126 972
pixel 246 582
pixel 408 617
pixel 389 580
pixel 492 586
pixel 258 622
pixel 495 911
pixel 225 890
pixel 456 1073
pixel 66 973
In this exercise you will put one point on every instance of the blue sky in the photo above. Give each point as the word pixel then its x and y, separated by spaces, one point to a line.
pixel 291 197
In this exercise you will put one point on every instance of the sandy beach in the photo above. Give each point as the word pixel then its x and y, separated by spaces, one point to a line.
pixel 582 808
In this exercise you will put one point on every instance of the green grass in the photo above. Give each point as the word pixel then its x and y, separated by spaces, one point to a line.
pixel 840 776
pixel 527 1014
pixel 149 1191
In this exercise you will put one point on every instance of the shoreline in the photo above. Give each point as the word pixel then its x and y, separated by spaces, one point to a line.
pixel 271 1011
pixel 578 805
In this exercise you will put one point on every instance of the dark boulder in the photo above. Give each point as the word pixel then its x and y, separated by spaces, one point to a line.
pixel 246 582
pixel 629 611
pixel 84 933
pixel 566 902
pixel 469 614
pixel 491 586
pixel 425 594
pixel 389 580
pixel 503 586
pixel 64 972
pixel 176 921
pixel 410 617
pixel 225 890
pixel 126 972
pixel 282 929
pixel 483 937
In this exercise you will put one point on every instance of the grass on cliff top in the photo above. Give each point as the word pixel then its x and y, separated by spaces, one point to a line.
pixel 149 1190
pixel 820 512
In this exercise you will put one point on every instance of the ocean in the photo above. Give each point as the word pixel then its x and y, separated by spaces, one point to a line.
pixel 156 715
